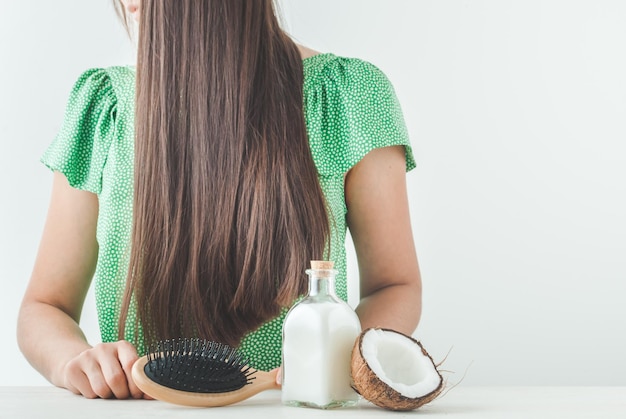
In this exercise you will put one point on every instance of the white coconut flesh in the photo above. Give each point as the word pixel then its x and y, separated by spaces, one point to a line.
pixel 399 363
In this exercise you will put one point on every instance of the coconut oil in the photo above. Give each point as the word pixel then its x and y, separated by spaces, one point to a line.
pixel 318 335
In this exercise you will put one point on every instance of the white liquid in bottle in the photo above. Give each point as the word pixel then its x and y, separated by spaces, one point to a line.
pixel 319 333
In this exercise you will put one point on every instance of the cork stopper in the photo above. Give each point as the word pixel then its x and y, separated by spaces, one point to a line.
pixel 322 264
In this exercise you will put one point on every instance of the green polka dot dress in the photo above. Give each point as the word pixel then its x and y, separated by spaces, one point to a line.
pixel 350 109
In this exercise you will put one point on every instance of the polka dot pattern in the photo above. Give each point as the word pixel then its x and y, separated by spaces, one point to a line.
pixel 350 109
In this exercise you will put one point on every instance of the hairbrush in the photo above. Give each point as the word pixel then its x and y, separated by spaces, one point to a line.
pixel 195 372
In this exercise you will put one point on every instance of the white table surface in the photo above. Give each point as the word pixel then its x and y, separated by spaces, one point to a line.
pixel 460 402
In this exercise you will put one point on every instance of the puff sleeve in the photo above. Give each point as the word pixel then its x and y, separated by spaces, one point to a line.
pixel 351 109
pixel 80 149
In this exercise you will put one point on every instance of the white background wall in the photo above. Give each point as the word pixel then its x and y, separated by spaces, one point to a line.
pixel 516 113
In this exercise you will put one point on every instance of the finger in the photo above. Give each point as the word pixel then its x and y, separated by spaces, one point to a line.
pixel 108 356
pixel 96 379
pixel 127 355
pixel 115 377
pixel 76 381
pixel 80 385
pixel 69 386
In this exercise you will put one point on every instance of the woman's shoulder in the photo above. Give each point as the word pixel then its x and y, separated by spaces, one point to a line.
pixel 118 81
pixel 99 89
pixel 350 108
pixel 102 91
pixel 340 70
pixel 99 105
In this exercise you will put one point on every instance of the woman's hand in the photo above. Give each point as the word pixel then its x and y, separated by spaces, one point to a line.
pixel 279 375
pixel 103 371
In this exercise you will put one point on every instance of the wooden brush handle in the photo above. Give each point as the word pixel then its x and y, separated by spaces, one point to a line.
pixel 262 381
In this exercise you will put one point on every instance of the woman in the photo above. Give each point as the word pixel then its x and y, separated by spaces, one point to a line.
pixel 195 189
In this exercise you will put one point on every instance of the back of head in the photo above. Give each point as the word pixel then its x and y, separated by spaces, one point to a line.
pixel 227 204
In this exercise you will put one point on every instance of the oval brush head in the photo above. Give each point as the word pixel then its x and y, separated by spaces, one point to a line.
pixel 195 372
pixel 198 366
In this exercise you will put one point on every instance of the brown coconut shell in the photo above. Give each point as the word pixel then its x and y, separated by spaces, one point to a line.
pixel 373 389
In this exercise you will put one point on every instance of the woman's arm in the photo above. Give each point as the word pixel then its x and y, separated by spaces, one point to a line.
pixel 379 222
pixel 47 331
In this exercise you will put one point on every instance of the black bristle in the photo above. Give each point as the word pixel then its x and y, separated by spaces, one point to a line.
pixel 197 366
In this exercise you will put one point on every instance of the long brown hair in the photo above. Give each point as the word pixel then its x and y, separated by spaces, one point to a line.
pixel 227 205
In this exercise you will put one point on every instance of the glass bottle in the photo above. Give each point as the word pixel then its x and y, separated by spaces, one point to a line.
pixel 319 333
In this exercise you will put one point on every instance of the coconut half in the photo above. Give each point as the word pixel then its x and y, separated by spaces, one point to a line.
pixel 393 370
